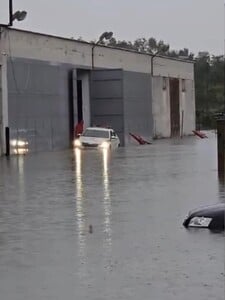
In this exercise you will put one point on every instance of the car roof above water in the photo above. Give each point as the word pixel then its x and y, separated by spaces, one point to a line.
pixel 98 128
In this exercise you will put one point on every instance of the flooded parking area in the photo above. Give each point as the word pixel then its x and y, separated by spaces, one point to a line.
pixel 90 225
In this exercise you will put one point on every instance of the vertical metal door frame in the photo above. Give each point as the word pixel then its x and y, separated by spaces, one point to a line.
pixel 174 106
pixel 72 106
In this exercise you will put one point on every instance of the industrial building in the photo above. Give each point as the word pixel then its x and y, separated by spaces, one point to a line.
pixel 49 83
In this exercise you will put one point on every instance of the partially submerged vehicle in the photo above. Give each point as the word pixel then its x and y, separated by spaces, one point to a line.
pixel 211 217
pixel 97 137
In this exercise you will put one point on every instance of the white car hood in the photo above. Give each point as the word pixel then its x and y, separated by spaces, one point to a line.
pixel 92 140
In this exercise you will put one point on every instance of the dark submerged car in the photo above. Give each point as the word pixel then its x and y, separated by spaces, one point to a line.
pixel 211 217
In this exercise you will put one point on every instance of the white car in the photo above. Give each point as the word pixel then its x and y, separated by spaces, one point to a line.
pixel 97 137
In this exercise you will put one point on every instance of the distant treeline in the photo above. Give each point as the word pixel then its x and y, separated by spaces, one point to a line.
pixel 209 83
pixel 209 74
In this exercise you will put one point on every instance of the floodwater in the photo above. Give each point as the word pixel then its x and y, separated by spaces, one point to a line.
pixel 88 226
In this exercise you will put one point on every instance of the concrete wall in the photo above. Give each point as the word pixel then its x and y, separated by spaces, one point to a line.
pixel 137 105
pixel 85 77
pixel 3 101
pixel 38 80
pixel 187 105
pixel 107 100
pixel 161 107
pixel 38 104
pixel 173 68
pixel 60 50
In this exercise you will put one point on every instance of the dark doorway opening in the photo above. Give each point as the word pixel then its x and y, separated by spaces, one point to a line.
pixel 71 106
pixel 79 101
pixel 174 107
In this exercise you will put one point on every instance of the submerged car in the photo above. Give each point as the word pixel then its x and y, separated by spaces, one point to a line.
pixel 211 217
pixel 97 137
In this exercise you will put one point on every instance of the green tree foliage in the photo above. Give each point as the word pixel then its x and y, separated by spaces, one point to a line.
pixel 150 46
pixel 209 87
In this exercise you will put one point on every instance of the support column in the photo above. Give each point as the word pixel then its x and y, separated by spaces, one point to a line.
pixel 221 146
pixel 4 121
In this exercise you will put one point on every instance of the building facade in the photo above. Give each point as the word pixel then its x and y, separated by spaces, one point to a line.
pixel 48 84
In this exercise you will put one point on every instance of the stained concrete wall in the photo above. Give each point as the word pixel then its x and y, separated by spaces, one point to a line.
pixel 187 105
pixel 25 44
pixel 107 100
pixel 38 104
pixel 54 56
pixel 122 100
pixel 137 105
pixel 3 99
pixel 161 107
pixel 173 68
pixel 84 75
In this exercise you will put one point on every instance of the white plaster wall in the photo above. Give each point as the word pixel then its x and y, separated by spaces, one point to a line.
pixel 3 98
pixel 31 45
pixel 173 68
pixel 55 50
pixel 187 104
pixel 183 109
pixel 42 47
pixel 128 61
pixel 161 108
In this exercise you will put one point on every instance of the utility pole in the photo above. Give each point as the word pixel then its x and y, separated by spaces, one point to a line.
pixel 4 126
pixel 221 146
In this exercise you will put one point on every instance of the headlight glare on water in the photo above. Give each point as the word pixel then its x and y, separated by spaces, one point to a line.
pixel 105 145
pixel 77 143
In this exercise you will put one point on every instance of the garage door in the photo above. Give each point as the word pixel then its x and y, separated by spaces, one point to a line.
pixel 107 100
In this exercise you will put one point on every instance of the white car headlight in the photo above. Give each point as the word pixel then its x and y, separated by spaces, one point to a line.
pixel 105 145
pixel 200 222
pixel 77 143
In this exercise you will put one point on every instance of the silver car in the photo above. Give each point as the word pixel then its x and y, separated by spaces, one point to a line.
pixel 97 137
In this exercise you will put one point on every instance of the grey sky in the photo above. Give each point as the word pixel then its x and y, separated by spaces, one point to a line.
pixel 195 24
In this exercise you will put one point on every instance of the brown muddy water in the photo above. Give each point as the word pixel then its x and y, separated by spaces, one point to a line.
pixel 91 226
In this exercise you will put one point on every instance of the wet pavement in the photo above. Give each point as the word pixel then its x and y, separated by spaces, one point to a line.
pixel 135 201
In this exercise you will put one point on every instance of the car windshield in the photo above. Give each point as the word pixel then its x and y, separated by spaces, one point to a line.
pixel 96 133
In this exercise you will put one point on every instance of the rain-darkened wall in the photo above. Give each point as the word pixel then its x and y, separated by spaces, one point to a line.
pixel 122 100
pixel 107 107
pixel 38 103
pixel 137 105
pixel 40 109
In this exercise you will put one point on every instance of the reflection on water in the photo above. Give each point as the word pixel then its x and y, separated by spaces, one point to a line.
pixel 20 162
pixel 80 215
pixel 136 199
pixel 107 204
pixel 21 190
pixel 82 226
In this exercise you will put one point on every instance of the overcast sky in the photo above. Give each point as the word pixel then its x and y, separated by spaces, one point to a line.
pixel 195 24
